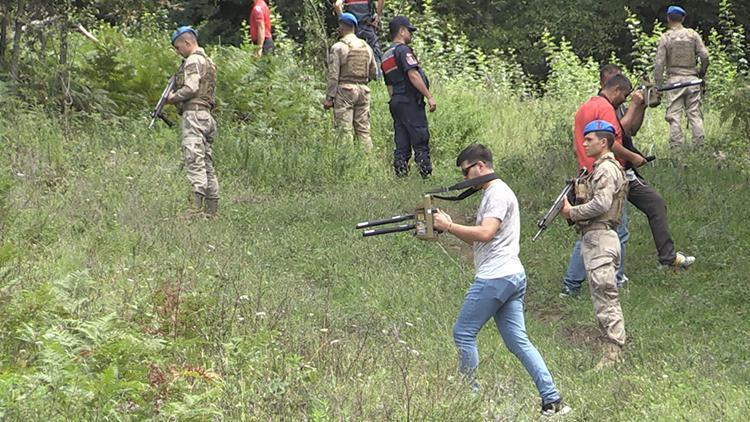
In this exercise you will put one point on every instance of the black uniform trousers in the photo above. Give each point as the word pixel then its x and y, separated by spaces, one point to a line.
pixel 646 199
pixel 410 132
pixel 367 33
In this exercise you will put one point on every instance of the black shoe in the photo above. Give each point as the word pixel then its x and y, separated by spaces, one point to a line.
pixel 558 407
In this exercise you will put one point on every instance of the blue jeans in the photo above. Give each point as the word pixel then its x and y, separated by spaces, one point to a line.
pixel 501 298
pixel 576 273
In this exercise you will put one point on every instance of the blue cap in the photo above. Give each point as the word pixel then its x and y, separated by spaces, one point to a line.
pixel 348 18
pixel 398 21
pixel 676 10
pixel 181 30
pixel 598 126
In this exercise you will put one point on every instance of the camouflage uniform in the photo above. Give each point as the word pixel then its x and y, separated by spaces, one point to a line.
pixel 350 67
pixel 603 196
pixel 194 98
pixel 678 49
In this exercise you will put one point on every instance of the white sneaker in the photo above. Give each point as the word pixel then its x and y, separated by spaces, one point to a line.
pixel 683 261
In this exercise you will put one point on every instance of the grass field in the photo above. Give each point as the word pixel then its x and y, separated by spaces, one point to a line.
pixel 114 307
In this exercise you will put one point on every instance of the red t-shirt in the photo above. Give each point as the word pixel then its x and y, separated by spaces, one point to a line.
pixel 259 12
pixel 596 108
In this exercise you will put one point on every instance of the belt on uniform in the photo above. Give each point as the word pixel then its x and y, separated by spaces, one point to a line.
pixel 599 225
pixel 353 81
pixel 195 107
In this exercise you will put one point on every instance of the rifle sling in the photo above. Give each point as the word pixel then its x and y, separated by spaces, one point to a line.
pixel 471 184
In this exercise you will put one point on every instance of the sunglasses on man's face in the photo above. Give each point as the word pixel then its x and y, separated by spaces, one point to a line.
pixel 465 171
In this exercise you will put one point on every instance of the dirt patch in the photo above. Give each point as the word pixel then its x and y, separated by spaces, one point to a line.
pixel 582 335
pixel 547 312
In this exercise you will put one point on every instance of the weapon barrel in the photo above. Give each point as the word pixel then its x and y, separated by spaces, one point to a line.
pixel 538 233
pixel 400 228
pixel 679 85
pixel 394 219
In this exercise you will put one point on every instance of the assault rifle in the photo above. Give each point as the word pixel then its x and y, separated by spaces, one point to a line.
pixel 652 92
pixel 422 217
pixel 159 109
pixel 554 210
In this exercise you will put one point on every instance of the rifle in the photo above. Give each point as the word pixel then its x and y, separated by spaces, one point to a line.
pixel 422 225
pixel 554 210
pixel 159 109
pixel 425 211
pixel 653 92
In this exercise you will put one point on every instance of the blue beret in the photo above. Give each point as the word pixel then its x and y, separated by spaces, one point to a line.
pixel 181 30
pixel 348 18
pixel 598 126
pixel 676 10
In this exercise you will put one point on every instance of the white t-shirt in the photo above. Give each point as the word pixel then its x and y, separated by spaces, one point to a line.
pixel 499 257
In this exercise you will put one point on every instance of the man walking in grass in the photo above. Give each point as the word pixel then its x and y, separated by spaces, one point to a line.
pixel 500 283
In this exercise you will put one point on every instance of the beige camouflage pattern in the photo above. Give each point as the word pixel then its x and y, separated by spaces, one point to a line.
pixel 351 65
pixel 198 133
pixel 196 83
pixel 605 192
pixel 688 101
pixel 194 97
pixel 600 246
pixel 601 257
pixel 683 53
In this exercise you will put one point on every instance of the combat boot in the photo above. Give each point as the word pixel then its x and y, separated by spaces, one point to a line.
pixel 196 206
pixel 212 206
pixel 612 356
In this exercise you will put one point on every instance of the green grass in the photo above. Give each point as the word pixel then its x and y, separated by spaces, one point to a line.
pixel 112 307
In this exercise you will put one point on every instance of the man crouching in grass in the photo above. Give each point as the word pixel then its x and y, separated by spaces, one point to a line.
pixel 500 282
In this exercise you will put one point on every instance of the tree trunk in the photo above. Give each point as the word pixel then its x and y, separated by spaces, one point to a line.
pixel 16 40
pixel 3 35
pixel 64 75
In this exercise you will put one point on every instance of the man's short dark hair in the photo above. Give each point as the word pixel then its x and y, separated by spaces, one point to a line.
pixel 619 81
pixel 676 17
pixel 609 136
pixel 608 70
pixel 393 31
pixel 474 153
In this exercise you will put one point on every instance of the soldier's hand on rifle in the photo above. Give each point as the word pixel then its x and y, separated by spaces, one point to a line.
pixel 637 98
pixel 432 104
pixel 441 221
pixel 565 210
pixel 170 97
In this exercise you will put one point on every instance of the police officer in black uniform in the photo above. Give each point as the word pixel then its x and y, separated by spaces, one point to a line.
pixel 368 18
pixel 408 88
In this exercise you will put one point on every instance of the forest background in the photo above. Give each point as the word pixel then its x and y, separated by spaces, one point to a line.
pixel 112 307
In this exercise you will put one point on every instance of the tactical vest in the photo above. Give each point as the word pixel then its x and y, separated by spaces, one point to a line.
pixel 361 9
pixel 356 67
pixel 397 78
pixel 613 216
pixel 206 88
pixel 681 49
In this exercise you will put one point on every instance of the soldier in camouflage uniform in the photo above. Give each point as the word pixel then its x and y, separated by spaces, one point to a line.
pixel 601 197
pixel 678 49
pixel 194 99
pixel 351 65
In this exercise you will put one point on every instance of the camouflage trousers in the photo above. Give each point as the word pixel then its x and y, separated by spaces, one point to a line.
pixel 351 110
pixel 198 133
pixel 601 257
pixel 688 101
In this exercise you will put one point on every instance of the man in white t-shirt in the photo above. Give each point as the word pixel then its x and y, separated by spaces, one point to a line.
pixel 500 282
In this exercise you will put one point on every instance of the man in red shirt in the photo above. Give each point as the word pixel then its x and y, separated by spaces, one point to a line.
pixel 602 107
pixel 260 28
